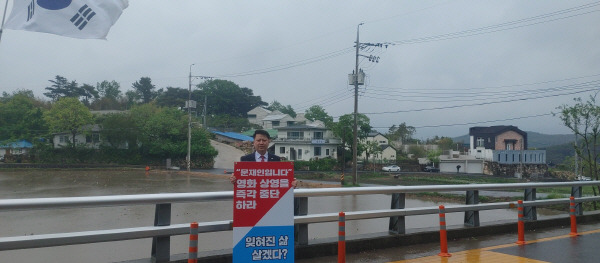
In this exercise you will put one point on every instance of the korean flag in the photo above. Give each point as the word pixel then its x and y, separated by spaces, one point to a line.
pixel 71 18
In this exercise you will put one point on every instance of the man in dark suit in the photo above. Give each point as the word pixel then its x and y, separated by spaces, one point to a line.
pixel 261 144
pixel 260 154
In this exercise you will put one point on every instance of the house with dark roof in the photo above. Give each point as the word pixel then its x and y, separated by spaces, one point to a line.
pixel 504 137
pixel 497 150
pixel 504 145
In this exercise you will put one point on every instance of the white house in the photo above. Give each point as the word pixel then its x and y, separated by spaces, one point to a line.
pixel 256 115
pixel 305 142
pixel 453 162
pixel 388 153
pixel 275 121
pixel 90 138
pixel 301 119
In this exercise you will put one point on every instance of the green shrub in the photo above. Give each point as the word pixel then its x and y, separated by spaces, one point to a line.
pixel 325 164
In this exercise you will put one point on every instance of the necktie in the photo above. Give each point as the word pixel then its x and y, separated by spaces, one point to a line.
pixel 262 158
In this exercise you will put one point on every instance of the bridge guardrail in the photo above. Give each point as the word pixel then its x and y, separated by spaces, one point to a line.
pixel 301 220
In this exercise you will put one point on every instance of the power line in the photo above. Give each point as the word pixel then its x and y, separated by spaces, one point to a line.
pixel 477 95
pixel 476 122
pixel 478 104
pixel 503 26
pixel 488 87
pixel 289 65
pixel 337 96
pixel 465 33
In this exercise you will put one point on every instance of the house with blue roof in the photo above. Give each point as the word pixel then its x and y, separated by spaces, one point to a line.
pixel 231 137
pixel 20 147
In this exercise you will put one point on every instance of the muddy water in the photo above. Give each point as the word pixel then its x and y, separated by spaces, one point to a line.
pixel 66 183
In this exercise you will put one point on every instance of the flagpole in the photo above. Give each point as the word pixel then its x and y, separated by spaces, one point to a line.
pixel 3 17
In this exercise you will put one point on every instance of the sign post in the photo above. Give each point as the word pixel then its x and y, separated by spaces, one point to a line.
pixel 263 212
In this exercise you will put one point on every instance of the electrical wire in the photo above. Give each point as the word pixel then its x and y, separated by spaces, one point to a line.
pixel 503 26
pixel 289 65
pixel 479 104
pixel 477 122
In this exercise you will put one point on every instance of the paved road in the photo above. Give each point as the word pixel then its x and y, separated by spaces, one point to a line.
pixel 227 155
pixel 550 245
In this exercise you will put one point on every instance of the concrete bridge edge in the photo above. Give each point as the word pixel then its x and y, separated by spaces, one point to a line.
pixel 367 242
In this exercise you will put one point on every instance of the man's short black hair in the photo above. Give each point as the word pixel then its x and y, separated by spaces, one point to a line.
pixel 262 132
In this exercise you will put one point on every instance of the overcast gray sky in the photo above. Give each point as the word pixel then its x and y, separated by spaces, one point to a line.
pixel 449 65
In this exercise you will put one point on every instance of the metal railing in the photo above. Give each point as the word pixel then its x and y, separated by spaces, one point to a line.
pixel 162 230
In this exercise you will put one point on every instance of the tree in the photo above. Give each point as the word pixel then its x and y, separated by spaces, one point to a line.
pixel 21 117
pixel 174 97
pixel 417 151
pixel 88 91
pixel 277 106
pixel 344 129
pixel 68 114
pixel 162 133
pixel 118 130
pixel 434 157
pixel 372 148
pixel 108 89
pixel 132 98
pixel 402 132
pixel 109 97
pixel 145 89
pixel 583 119
pixel 316 112
pixel 106 103
pixel 23 92
pixel 61 87
pixel 224 122
pixel 226 97
pixel 445 143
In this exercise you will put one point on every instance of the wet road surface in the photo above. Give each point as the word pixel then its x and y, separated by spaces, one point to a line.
pixel 551 245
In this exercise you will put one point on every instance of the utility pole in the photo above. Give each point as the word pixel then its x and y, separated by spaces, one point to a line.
pixel 204 114
pixel 189 105
pixel 355 128
pixel 357 78
pixel 188 159
pixel 577 175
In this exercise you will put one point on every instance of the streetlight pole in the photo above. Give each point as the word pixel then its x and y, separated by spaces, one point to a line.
pixel 189 105
pixel 355 139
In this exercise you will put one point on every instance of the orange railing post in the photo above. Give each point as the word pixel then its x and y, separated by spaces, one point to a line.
pixel 193 250
pixel 573 218
pixel 521 224
pixel 443 234
pixel 342 238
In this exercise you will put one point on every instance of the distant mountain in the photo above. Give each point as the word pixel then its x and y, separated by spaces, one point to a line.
pixel 535 140
pixel 543 141
pixel 556 153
